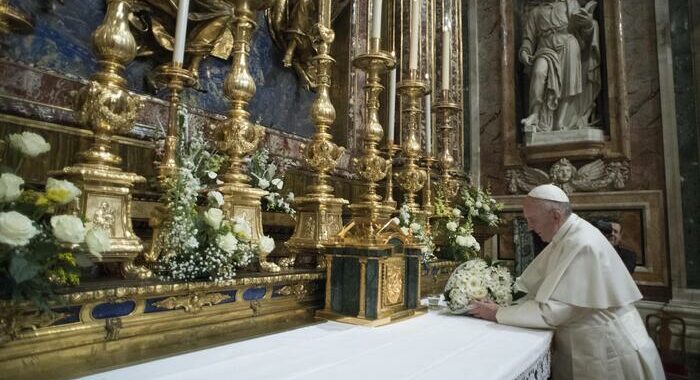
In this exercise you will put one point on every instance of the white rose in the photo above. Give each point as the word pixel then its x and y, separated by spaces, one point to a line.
pixel 477 204
pixel 461 241
pixel 211 175
pixel 61 191
pixel 415 227
pixel 16 229
pixel 213 217
pixel 242 229
pixel 452 226
pixel 263 183
pixel 216 198
pixel 97 240
pixel 68 228
pixel 290 197
pixel 10 187
pixel 267 244
pixel 456 212
pixel 29 144
pixel 278 183
pixel 228 243
pixel 471 241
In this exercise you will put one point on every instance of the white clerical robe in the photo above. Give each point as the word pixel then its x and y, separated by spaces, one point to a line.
pixel 579 286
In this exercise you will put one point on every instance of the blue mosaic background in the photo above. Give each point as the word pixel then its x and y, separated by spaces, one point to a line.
pixel 61 43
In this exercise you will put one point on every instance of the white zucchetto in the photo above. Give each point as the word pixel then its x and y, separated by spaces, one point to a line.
pixel 549 192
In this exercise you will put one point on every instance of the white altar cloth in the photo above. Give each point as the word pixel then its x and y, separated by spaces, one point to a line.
pixel 432 346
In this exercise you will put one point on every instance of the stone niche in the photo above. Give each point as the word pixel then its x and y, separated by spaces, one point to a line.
pixel 583 115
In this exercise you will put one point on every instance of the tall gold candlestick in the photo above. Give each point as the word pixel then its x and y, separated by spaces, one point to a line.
pixel 445 108
pixel 411 177
pixel 320 213
pixel 238 136
pixel 105 105
pixel 371 166
pixel 176 79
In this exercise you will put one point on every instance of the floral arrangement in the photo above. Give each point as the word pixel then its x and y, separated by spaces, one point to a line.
pixel 409 226
pixel 460 243
pixel 266 174
pixel 474 207
pixel 196 244
pixel 476 279
pixel 479 207
pixel 39 247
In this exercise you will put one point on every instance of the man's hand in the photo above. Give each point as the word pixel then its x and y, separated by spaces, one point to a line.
pixel 484 310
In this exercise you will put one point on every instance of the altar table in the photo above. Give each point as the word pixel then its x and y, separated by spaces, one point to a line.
pixel 436 345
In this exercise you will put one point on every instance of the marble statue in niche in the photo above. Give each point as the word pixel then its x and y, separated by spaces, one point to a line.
pixel 561 53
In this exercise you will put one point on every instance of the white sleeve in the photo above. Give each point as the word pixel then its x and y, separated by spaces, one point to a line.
pixel 538 315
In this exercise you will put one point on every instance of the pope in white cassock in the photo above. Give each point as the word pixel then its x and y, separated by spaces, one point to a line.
pixel 579 286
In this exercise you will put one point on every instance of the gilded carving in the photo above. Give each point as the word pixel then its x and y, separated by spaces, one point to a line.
pixel 14 321
pixel 192 303
pixel 593 176
pixel 112 327
pixel 105 217
pixel 299 290
pixel 393 282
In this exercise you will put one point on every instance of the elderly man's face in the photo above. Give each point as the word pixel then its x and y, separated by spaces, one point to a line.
pixel 540 219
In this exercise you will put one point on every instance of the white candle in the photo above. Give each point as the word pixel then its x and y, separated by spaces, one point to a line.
pixel 376 19
pixel 392 107
pixel 428 129
pixel 180 32
pixel 446 44
pixel 415 33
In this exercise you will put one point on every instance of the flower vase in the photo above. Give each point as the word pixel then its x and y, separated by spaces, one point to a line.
pixel 483 232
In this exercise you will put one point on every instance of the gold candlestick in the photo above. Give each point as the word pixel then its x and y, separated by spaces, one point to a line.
pixel 175 78
pixel 320 213
pixel 391 151
pixel 411 177
pixel 371 166
pixel 105 105
pixel 449 186
pixel 238 136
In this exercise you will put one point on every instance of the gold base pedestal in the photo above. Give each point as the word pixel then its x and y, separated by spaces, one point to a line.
pixel 106 203
pixel 395 317
pixel 244 202
pixel 318 222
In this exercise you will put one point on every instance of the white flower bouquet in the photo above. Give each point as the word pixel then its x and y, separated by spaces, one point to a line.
pixel 479 207
pixel 475 279
pixel 267 176
pixel 39 247
pixel 459 241
pixel 200 245
pixel 410 226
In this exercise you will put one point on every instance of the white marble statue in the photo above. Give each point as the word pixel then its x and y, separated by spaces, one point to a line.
pixel 561 53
